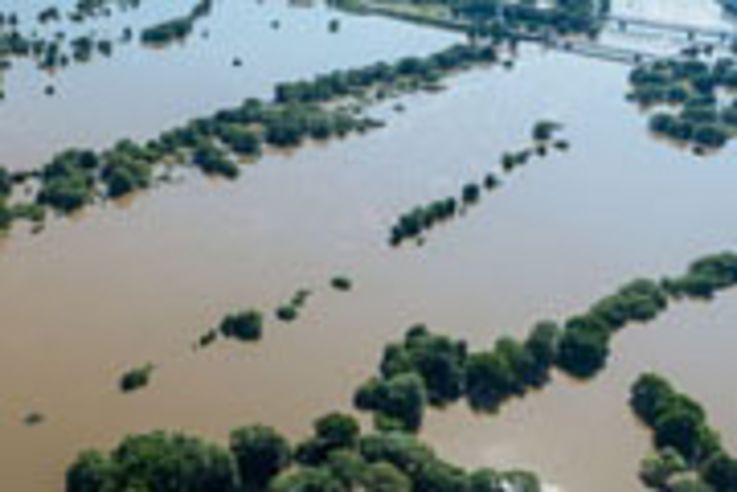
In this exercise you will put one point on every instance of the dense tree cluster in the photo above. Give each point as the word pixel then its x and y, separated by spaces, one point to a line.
pixel 416 223
pixel 689 88
pixel 336 458
pixel 435 369
pixel 686 445
pixel 428 368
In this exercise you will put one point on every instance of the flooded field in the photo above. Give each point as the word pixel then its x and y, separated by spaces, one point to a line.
pixel 138 282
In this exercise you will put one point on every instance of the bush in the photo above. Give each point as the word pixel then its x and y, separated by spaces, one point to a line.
pixel 287 313
pixel 245 326
pixel 544 130
pixel 471 193
pixel 341 283
pixel 136 378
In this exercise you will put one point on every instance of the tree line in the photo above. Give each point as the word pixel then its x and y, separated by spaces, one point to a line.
pixel 689 453
pixel 76 177
pixel 337 457
pixel 434 369
pixel 417 222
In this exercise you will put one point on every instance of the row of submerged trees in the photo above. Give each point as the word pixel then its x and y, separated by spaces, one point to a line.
pixel 428 368
pixel 176 29
pixel 695 97
pixel 76 177
pixel 416 223
pixel 336 458
pixel 244 326
pixel 689 454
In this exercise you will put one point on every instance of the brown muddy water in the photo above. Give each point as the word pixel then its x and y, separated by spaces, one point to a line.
pixel 127 284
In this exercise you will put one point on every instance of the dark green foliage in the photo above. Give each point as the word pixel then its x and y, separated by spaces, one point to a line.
pixel 398 401
pixel 584 347
pixel 245 326
pixel 212 160
pixel 334 431
pixel 91 472
pixel 176 29
pixel 705 277
pixel 420 219
pixel 337 458
pixel 490 380
pixel 658 469
pixel 260 453
pixel 307 479
pixel 157 461
pixel 687 484
pixel 385 477
pixel 287 313
pixel 67 182
pixel 485 480
pixel 77 177
pixel 650 394
pixel 542 344
pixel 136 378
pixel 208 338
pixel 413 223
pixel 32 212
pixel 338 430
pixel 240 139
pixel 688 84
pixel 341 283
pixel 491 181
pixel 6 182
pixel 639 300
pixel 682 436
pixel 580 348
pixel 126 168
pixel 720 471
pixel 544 130
pixel 438 359
pixel 66 194
pixel 6 216
pixel 470 193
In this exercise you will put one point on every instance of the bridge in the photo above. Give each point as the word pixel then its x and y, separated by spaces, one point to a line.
pixel 692 31
pixel 605 52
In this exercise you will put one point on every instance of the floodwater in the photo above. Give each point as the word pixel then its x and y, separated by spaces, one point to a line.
pixel 137 282
pixel 138 92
